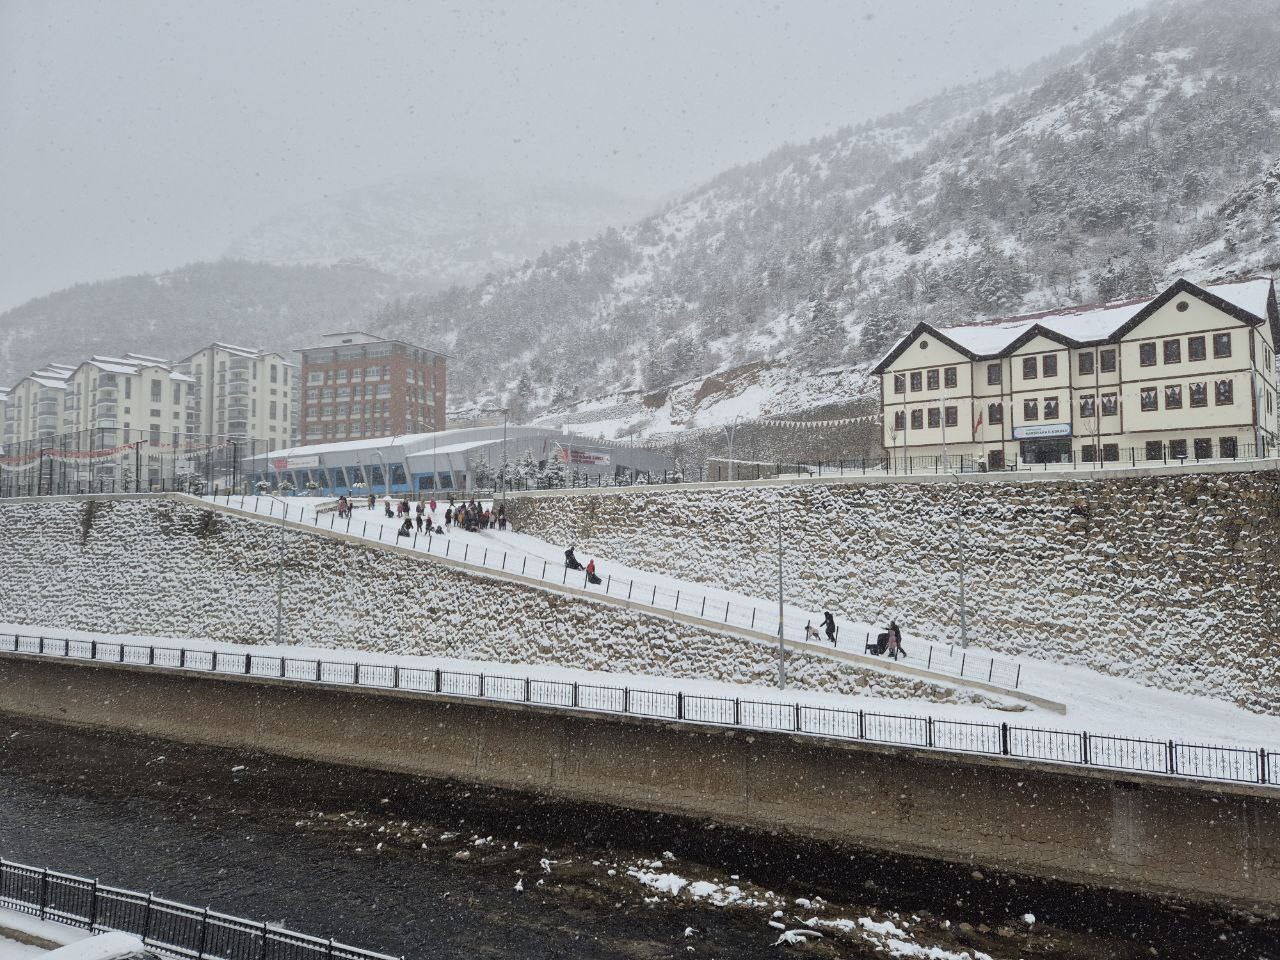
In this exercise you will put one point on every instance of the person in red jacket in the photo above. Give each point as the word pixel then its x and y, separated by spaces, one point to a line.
pixel 591 572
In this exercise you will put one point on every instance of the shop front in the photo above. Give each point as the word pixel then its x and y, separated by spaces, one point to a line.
pixel 1044 443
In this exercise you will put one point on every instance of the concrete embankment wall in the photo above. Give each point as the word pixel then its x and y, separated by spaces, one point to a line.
pixel 171 568
pixel 1168 578
pixel 1204 842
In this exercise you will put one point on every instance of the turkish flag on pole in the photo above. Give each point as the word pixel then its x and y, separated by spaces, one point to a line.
pixel 977 423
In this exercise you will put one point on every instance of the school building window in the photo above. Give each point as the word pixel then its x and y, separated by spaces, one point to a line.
pixel 1173 351
pixel 1147 354
pixel 1227 448
pixel 1029 368
pixel 932 378
pixel 1049 364
pixel 1088 406
pixel 1085 363
pixel 1198 394
pixel 995 413
pixel 993 374
pixel 1195 348
pixel 899 383
pixel 1110 452
pixel 899 419
pixel 1178 449
pixel 949 377
pixel 1155 450
pixel 1203 448
pixel 1224 393
pixel 1051 408
pixel 917 419
pixel 1221 345
pixel 1173 396
pixel 1107 364
pixel 951 416
pixel 917 382
pixel 1088 453
pixel 935 418
pixel 1148 399
pixel 1030 409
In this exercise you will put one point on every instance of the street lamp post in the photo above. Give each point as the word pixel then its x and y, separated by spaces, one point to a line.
pixel 782 652
pixel 964 613
pixel 731 429
pixel 280 571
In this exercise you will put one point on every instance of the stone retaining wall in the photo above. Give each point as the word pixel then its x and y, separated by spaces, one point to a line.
pixel 164 568
pixel 1168 579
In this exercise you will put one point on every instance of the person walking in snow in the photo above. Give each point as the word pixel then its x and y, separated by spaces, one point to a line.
pixel 386 506
pixel 433 506
pixel 829 624
pixel 895 640
pixel 448 517
pixel 372 501
pixel 417 522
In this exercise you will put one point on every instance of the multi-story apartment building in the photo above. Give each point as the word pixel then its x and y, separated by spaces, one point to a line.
pixel 1190 373
pixel 86 414
pixel 358 386
pixel 242 394
pixel 35 403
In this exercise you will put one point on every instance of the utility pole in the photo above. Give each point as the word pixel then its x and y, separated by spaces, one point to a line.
pixel 964 614
pixel 782 651
pixel 731 430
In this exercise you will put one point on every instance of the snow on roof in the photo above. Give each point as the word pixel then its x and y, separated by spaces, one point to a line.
pixel 1089 323
pixel 339 446
pixel 174 375
pixel 146 359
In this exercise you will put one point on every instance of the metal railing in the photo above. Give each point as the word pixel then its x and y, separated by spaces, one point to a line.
pixel 944 660
pixel 1077 748
pixel 171 928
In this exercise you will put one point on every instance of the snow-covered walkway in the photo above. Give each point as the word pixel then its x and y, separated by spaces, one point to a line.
pixel 521 555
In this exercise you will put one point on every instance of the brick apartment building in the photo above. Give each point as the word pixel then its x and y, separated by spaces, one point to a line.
pixel 356 386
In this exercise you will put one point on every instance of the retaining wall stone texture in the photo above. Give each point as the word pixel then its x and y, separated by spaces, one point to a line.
pixel 1170 580
pixel 164 568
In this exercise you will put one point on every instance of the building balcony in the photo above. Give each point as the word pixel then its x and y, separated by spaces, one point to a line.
pixel 105 423
pixel 106 393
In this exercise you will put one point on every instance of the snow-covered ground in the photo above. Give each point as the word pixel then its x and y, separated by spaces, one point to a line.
pixel 1098 704
pixel 1095 702
pixel 12 922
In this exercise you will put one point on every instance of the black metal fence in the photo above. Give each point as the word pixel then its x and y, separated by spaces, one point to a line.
pixel 169 927
pixel 1080 748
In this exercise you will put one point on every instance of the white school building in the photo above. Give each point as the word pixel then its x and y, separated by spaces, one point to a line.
pixel 1189 374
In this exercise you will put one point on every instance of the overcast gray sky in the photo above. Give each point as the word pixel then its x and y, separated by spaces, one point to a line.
pixel 137 136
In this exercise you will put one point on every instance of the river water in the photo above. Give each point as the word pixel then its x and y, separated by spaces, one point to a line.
pixel 430 869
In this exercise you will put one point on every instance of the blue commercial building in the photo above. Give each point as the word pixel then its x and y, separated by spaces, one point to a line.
pixel 449 461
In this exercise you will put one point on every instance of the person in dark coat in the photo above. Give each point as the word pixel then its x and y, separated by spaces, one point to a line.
pixel 448 516
pixel 406 528
pixel 895 640
pixel 571 561
pixel 829 625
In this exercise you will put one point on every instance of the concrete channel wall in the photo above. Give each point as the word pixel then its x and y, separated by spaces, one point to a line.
pixel 1203 842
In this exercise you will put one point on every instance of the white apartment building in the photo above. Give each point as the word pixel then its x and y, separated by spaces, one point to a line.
pixel 84 416
pixel 1189 374
pixel 242 394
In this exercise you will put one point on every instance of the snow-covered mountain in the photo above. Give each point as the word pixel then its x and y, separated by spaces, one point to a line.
pixel 1098 174
pixel 442 230
pixel 169 314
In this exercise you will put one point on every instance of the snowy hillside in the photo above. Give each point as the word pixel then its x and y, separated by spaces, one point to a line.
pixel 441 230
pixel 1087 178
pixel 172 313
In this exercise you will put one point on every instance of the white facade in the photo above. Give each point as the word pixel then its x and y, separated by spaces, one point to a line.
pixel 242 394
pixel 1189 374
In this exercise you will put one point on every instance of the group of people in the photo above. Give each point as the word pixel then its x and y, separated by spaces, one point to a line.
pixel 473 516
pixel 571 561
pixel 889 642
